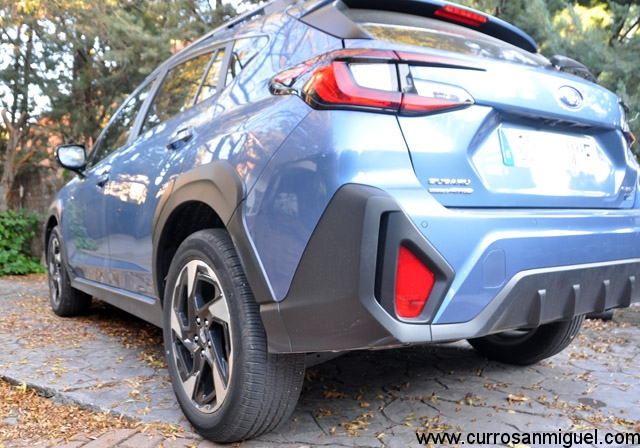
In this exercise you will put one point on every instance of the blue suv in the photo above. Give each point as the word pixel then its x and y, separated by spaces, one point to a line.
pixel 326 176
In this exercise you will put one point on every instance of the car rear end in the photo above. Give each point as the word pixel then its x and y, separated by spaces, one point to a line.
pixel 520 206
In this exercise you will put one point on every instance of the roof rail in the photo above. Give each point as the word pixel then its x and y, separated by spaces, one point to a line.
pixel 262 10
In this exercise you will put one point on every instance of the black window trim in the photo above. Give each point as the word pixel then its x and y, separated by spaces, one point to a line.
pixel 212 49
pixel 159 76
pixel 153 78
pixel 212 59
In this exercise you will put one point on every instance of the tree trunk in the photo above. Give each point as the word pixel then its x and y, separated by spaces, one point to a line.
pixel 16 132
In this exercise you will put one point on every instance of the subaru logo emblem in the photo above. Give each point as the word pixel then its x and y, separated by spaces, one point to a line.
pixel 569 97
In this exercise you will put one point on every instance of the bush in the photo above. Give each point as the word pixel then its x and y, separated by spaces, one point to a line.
pixel 17 229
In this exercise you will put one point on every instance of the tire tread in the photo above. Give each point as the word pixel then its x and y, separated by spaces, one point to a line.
pixel 271 384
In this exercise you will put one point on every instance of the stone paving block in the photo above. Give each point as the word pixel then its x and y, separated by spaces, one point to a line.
pixel 71 445
pixel 142 441
pixel 111 438
pixel 181 443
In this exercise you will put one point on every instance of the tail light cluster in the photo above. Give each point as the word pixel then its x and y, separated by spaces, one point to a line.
pixel 375 80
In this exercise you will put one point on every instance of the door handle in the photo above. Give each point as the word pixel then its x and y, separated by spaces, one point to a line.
pixel 181 137
pixel 103 178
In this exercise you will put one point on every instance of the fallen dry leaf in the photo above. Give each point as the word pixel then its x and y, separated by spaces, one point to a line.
pixel 32 419
pixel 517 398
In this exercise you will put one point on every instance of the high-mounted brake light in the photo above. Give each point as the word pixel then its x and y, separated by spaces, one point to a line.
pixel 369 80
pixel 414 283
pixel 461 15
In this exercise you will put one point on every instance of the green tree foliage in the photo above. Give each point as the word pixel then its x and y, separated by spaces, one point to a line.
pixel 16 231
pixel 66 65
pixel 19 31
pixel 107 48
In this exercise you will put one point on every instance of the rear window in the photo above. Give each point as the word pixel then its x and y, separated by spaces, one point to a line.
pixel 423 32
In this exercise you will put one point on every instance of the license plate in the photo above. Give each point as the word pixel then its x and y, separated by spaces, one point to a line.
pixel 529 149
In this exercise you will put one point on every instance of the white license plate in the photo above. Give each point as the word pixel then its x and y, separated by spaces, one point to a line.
pixel 525 148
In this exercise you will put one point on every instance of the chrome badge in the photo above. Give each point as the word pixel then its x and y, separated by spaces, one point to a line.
pixel 569 97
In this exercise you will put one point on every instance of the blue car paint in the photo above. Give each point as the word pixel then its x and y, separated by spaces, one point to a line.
pixel 491 248
pixel 327 150
pixel 475 154
pixel 138 178
pixel 123 255
pixel 84 232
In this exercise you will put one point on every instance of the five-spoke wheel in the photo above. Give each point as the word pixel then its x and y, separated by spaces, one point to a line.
pixel 201 336
pixel 228 385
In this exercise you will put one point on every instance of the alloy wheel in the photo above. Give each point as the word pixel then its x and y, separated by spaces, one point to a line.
pixel 54 266
pixel 201 336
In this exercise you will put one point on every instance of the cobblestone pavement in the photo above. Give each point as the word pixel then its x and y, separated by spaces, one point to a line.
pixel 111 361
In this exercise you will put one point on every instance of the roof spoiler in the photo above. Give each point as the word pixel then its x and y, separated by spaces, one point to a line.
pixel 434 9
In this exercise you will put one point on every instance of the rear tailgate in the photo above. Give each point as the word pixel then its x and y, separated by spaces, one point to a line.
pixel 533 138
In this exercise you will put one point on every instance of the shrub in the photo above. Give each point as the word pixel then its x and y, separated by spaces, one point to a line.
pixel 17 229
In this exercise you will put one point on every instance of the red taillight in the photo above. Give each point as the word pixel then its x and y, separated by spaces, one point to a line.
pixel 461 15
pixel 362 79
pixel 414 282
pixel 334 85
pixel 412 104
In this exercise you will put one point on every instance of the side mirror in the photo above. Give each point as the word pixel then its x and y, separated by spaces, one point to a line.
pixel 72 157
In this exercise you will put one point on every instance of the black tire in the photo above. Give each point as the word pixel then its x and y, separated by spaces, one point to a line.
pixel 524 347
pixel 66 301
pixel 228 386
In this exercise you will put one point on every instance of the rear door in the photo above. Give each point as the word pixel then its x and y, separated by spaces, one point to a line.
pixel 142 173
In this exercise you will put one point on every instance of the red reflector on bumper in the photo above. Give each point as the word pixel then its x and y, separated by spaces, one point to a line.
pixel 414 282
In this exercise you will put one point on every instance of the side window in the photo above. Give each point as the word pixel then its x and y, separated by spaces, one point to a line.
pixel 210 84
pixel 118 130
pixel 178 91
pixel 244 50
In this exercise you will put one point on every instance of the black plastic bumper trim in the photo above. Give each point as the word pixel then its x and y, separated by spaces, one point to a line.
pixel 546 295
pixel 336 302
pixel 331 304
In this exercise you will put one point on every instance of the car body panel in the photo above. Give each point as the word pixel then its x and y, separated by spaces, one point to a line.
pixel 85 233
pixel 327 150
pixel 139 176
pixel 478 156
pixel 348 310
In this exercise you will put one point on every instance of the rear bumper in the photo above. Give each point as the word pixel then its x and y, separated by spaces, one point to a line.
pixel 540 296
pixel 341 296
